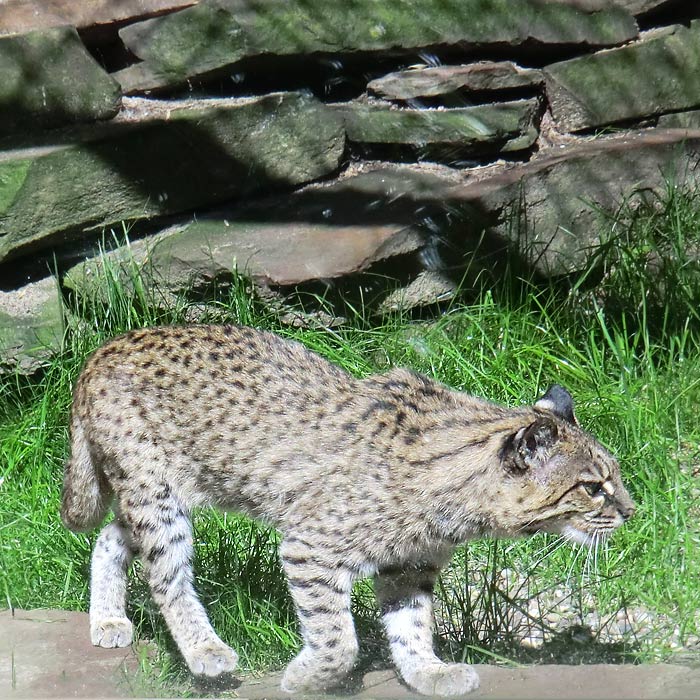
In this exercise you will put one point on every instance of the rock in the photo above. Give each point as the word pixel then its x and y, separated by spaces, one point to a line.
pixel 127 266
pixel 533 641
pixel 49 79
pixel 640 7
pixel 284 251
pixel 31 326
pixel 275 254
pixel 52 657
pixel 138 79
pixel 563 194
pixel 680 120
pixel 20 16
pixel 496 126
pixel 668 60
pixel 443 80
pixel 592 620
pixel 356 222
pixel 429 287
pixel 215 34
pixel 164 158
pixel 361 220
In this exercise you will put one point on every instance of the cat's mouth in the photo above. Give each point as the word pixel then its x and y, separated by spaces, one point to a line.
pixel 573 534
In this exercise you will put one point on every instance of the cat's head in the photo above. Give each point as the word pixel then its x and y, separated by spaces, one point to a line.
pixel 560 478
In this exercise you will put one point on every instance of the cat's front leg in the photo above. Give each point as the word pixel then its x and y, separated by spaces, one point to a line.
pixel 321 595
pixel 406 599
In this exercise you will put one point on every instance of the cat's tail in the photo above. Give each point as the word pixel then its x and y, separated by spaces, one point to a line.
pixel 86 494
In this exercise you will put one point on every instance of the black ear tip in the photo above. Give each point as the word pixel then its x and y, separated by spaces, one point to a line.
pixel 557 394
pixel 559 401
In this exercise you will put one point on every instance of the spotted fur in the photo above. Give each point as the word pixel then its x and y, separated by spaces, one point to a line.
pixel 379 477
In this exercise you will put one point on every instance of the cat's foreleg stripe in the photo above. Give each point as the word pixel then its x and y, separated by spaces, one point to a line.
pixel 320 587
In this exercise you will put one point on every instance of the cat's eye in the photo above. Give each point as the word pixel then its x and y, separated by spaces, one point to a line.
pixel 594 488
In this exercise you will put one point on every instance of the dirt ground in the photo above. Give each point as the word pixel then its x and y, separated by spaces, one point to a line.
pixel 47 654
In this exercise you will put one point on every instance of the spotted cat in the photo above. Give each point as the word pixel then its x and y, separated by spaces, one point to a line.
pixel 379 477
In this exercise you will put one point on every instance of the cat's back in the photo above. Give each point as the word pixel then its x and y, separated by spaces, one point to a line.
pixel 197 380
pixel 197 357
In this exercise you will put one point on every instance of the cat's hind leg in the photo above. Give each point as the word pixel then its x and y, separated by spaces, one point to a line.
pixel 109 625
pixel 406 600
pixel 321 594
pixel 161 530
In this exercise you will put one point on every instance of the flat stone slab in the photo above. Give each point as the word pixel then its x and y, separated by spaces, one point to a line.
pixel 49 79
pixel 565 190
pixel 680 120
pixel 443 80
pixel 216 34
pixel 640 7
pixel 31 326
pixel 20 16
pixel 356 222
pixel 605 87
pixel 163 158
pixel 504 126
pixel 47 654
pixel 545 682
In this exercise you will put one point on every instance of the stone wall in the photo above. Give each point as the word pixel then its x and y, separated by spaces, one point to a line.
pixel 318 143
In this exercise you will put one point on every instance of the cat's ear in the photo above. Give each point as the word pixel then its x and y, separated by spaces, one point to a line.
pixel 558 400
pixel 531 446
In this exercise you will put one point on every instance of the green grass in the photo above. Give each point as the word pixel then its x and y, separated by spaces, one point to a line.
pixel 627 350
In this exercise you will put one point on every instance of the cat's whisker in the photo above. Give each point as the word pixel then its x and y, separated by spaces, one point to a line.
pixel 596 545
pixel 586 564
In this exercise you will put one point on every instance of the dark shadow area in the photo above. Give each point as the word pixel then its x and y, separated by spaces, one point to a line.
pixel 450 154
pixel 669 13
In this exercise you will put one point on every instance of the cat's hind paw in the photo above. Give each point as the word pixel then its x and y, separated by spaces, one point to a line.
pixel 211 658
pixel 111 632
pixel 443 679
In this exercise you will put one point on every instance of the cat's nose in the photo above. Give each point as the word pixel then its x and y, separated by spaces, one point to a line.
pixel 627 510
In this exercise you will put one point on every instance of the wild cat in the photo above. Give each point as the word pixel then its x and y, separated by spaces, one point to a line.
pixel 379 477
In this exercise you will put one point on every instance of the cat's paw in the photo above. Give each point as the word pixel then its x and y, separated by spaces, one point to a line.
pixel 443 679
pixel 307 673
pixel 111 632
pixel 211 658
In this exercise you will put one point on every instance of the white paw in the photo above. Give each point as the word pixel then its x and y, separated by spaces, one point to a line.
pixel 111 632
pixel 299 676
pixel 303 675
pixel 211 658
pixel 443 679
